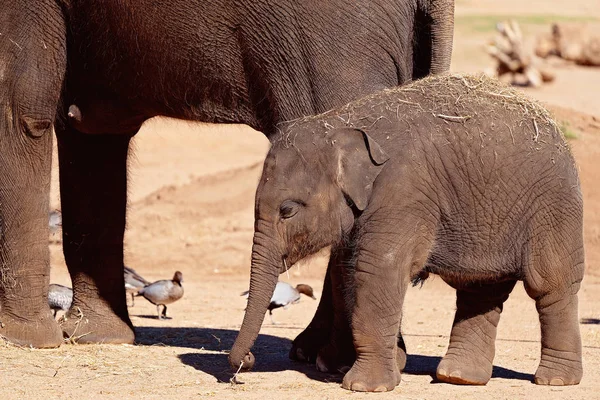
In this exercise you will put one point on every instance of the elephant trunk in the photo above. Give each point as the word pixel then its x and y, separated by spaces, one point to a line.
pixel 441 13
pixel 263 279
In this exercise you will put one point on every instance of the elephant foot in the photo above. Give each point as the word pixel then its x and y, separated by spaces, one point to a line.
pixel 401 358
pixel 42 333
pixel 88 328
pixel 401 354
pixel 464 369
pixel 558 368
pixel 337 356
pixel 307 344
pixel 372 377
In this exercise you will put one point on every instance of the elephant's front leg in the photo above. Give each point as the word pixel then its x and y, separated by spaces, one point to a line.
pixel 376 319
pixel 389 251
pixel 339 354
pixel 25 317
pixel 32 66
pixel 93 191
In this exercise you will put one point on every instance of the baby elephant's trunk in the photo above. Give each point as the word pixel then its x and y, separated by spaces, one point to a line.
pixel 263 279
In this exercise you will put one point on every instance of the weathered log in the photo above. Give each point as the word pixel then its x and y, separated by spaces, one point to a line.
pixel 572 42
pixel 513 58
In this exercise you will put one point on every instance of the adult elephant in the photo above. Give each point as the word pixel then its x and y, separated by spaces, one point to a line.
pixel 98 72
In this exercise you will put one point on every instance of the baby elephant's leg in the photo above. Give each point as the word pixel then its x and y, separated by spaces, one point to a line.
pixel 561 342
pixel 553 279
pixel 375 324
pixel 338 354
pixel 382 274
pixel 470 354
pixel 308 343
pixel 560 363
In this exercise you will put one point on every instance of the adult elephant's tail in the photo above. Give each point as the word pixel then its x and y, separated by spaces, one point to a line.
pixel 434 32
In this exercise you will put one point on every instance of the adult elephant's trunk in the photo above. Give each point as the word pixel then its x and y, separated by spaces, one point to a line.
pixel 441 13
pixel 263 279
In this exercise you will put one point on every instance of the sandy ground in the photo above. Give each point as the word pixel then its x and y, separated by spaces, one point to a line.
pixel 191 209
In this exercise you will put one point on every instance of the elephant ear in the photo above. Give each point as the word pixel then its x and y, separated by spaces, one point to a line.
pixel 359 161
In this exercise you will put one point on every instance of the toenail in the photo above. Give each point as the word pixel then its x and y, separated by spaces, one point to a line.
pixel 540 381
pixel 358 387
pixel 557 382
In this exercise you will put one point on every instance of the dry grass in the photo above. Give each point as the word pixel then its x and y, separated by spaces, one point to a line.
pixel 451 98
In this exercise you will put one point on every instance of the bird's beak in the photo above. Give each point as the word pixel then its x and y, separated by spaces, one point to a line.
pixel 313 297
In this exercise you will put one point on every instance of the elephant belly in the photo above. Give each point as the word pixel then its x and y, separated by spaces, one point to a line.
pixel 463 262
pixel 126 66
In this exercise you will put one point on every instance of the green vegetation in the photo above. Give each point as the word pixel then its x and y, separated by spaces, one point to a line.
pixel 487 23
pixel 567 130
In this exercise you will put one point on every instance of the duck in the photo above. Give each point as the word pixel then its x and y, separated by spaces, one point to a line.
pixel 54 221
pixel 163 292
pixel 60 297
pixel 133 283
pixel 284 295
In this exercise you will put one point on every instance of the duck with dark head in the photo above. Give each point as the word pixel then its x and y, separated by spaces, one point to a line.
pixel 163 292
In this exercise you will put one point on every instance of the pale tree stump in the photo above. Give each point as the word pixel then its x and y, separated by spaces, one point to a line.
pixel 571 42
pixel 513 58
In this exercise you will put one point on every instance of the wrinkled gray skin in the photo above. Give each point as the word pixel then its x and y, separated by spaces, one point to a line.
pixel 442 177
pixel 97 73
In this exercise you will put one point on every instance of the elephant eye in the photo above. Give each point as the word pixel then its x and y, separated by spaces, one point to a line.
pixel 289 208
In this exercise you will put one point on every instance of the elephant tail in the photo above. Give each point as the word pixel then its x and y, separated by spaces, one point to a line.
pixel 434 32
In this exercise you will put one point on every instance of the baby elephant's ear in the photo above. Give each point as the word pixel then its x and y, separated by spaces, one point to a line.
pixel 359 161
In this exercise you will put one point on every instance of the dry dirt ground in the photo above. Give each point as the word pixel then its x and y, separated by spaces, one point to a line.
pixel 191 209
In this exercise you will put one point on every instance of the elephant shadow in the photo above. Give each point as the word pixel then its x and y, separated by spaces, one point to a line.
pixel 590 321
pixel 271 354
pixel 427 365
pixel 271 351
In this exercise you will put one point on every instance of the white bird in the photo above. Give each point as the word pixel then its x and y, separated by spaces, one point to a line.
pixel 284 295
pixel 163 292
pixel 133 283
pixel 54 221
pixel 60 297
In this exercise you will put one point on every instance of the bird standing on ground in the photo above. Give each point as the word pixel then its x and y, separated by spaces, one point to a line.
pixel 54 221
pixel 285 294
pixel 60 297
pixel 133 283
pixel 163 292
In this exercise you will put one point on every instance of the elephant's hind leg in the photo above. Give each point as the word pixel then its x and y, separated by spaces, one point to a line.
pixel 470 355
pixel 560 363
pixel 93 187
pixel 552 278
pixel 556 303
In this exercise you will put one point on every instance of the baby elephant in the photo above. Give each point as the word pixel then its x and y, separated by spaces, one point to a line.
pixel 453 175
